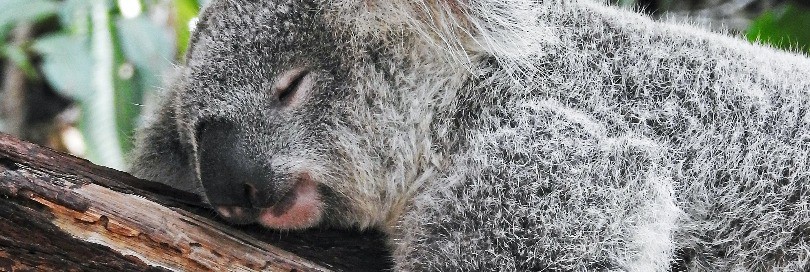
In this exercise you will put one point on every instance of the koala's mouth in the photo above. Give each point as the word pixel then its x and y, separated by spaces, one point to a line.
pixel 297 209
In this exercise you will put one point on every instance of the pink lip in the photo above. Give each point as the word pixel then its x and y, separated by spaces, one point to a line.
pixel 300 208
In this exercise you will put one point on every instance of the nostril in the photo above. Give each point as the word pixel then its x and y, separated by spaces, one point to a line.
pixel 256 196
pixel 252 194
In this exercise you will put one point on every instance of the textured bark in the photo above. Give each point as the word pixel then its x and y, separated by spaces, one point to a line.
pixel 59 212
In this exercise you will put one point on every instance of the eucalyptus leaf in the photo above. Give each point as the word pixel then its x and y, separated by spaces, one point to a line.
pixel 146 53
pixel 75 16
pixel 98 122
pixel 15 11
pixel 185 11
pixel 147 46
pixel 17 55
pixel 128 99
pixel 67 63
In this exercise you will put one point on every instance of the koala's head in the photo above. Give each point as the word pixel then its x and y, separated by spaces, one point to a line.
pixel 256 107
pixel 282 104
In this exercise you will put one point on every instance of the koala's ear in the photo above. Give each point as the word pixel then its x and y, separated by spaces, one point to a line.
pixel 201 26
pixel 374 17
pixel 459 25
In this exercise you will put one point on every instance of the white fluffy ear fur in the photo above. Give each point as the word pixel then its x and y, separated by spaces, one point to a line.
pixel 458 26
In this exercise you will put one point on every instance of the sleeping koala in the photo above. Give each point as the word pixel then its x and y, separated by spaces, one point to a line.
pixel 494 134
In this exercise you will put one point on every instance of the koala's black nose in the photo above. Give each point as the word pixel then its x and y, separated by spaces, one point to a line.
pixel 230 175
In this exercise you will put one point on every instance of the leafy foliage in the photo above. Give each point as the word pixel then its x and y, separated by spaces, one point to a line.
pixel 107 62
pixel 787 27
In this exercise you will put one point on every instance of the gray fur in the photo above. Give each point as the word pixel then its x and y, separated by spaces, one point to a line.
pixel 512 135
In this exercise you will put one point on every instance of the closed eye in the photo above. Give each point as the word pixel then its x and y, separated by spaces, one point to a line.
pixel 292 86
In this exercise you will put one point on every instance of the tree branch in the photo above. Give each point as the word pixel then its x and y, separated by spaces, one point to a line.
pixel 61 213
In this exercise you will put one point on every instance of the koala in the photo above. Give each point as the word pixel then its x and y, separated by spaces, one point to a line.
pixel 481 135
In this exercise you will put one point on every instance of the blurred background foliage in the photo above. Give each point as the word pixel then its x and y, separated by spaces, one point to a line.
pixel 76 74
pixel 782 23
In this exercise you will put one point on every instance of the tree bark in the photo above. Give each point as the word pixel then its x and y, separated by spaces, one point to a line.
pixel 59 212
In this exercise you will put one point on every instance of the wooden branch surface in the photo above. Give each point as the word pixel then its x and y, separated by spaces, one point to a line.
pixel 60 212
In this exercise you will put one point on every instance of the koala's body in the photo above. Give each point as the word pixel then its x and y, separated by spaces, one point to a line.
pixel 493 134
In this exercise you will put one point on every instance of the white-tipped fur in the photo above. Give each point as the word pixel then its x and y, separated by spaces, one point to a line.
pixel 445 42
pixel 556 135
pixel 506 29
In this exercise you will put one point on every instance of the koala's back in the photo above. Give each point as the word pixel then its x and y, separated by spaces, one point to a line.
pixel 633 146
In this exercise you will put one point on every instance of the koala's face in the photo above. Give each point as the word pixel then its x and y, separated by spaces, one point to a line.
pixel 261 83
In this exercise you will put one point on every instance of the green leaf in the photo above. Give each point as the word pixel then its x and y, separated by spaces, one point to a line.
pixel 17 55
pixel 786 28
pixel 67 63
pixel 127 102
pixel 626 3
pixel 147 51
pixel 147 46
pixel 98 123
pixel 15 11
pixel 185 11
pixel 75 16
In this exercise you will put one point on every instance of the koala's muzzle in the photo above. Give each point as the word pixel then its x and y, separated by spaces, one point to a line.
pixel 243 189
pixel 234 182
